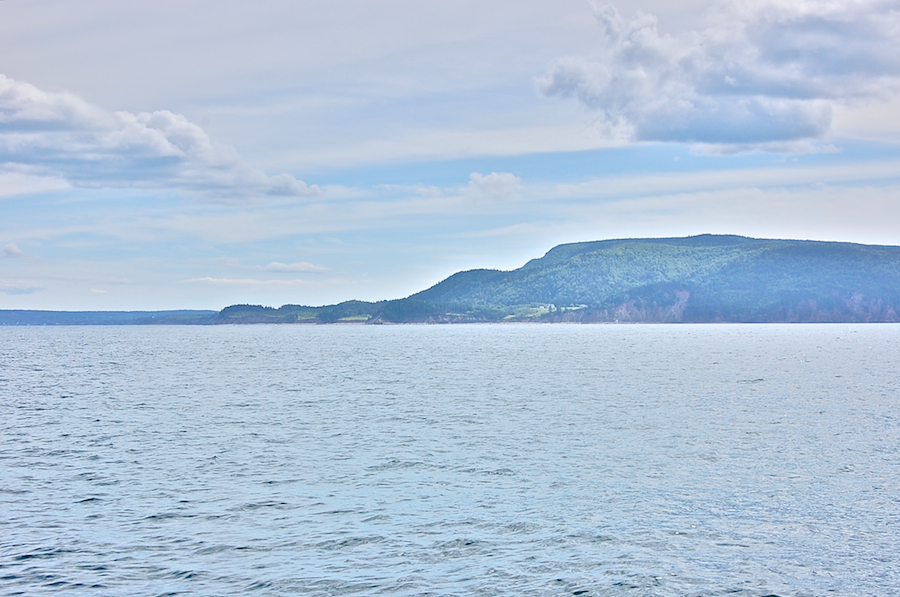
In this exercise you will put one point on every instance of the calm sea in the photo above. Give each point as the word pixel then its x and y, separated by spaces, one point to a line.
pixel 450 460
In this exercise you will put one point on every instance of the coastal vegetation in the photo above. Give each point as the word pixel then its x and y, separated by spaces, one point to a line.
pixel 707 278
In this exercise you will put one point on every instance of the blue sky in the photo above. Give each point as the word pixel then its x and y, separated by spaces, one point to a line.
pixel 199 154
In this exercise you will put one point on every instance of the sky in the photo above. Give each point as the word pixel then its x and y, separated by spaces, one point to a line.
pixel 194 154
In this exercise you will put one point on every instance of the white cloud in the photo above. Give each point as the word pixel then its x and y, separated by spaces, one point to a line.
pixel 869 120
pixel 302 266
pixel 18 287
pixel 495 186
pixel 440 144
pixel 59 135
pixel 247 281
pixel 814 212
pixel 12 250
pixel 614 188
pixel 21 182
pixel 761 72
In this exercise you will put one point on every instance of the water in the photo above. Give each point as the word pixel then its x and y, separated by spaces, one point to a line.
pixel 450 460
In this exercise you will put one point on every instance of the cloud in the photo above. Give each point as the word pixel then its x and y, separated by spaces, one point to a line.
pixel 761 72
pixel 12 251
pixel 302 266
pixel 60 135
pixel 18 287
pixel 496 186
pixel 247 281
pixel 13 182
pixel 453 143
pixel 876 173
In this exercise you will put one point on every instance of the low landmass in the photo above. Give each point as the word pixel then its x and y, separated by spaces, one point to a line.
pixel 30 317
pixel 698 279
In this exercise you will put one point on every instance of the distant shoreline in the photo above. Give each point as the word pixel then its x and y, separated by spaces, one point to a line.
pixel 41 318
pixel 698 279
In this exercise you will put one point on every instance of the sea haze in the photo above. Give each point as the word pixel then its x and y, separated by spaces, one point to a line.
pixel 450 460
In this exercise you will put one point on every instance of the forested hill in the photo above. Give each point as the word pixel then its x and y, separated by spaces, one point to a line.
pixel 705 278
pixel 696 279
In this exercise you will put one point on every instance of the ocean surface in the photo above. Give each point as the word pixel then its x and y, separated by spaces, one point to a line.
pixel 450 460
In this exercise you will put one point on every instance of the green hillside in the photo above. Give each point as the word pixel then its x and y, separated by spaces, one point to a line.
pixel 696 279
pixel 703 278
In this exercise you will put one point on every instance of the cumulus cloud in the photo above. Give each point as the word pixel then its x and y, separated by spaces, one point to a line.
pixel 302 266
pixel 761 71
pixel 496 186
pixel 61 135
pixel 11 251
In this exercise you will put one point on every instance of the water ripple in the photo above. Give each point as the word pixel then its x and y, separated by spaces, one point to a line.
pixel 460 460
